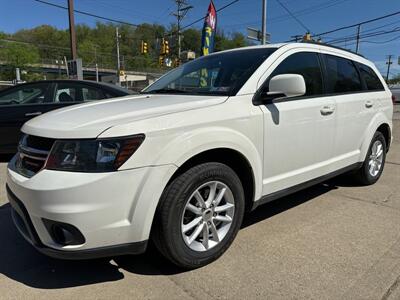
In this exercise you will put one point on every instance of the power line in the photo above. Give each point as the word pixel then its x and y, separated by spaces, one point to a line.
pixel 372 34
pixel 383 42
pixel 357 24
pixel 45 46
pixel 218 10
pixel 308 10
pixel 87 13
pixel 365 31
pixel 124 10
pixel 135 25
pixel 293 16
pixel 284 17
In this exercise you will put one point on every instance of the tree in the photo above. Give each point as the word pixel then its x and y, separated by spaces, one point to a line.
pixel 98 44
pixel 19 55
pixel 191 40
pixel 16 55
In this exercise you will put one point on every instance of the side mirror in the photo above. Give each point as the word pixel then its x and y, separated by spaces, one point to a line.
pixel 289 85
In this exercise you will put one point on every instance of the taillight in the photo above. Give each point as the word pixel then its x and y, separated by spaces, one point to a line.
pixel 393 99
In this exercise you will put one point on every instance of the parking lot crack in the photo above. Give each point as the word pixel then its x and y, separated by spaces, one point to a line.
pixel 395 285
pixel 371 202
pixel 187 291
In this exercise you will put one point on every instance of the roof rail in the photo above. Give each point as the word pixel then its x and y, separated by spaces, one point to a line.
pixel 331 46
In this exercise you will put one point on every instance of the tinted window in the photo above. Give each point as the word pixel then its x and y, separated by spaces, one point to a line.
pixel 370 78
pixel 217 74
pixel 24 94
pixel 73 92
pixel 307 65
pixel 67 92
pixel 91 93
pixel 342 75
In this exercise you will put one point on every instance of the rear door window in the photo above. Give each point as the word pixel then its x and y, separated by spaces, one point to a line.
pixel 92 93
pixel 75 92
pixel 67 92
pixel 370 78
pixel 343 76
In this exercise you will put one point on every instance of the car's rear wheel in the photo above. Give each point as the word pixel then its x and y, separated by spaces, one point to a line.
pixel 199 215
pixel 374 163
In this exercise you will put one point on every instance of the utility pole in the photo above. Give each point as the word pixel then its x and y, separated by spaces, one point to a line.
pixel 96 65
pixel 264 22
pixel 358 38
pixel 182 10
pixel 118 60
pixel 389 62
pixel 72 34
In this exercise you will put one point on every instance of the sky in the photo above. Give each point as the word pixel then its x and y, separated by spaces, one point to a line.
pixel 316 15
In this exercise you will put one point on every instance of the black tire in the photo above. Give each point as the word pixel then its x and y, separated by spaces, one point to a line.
pixel 167 234
pixel 363 175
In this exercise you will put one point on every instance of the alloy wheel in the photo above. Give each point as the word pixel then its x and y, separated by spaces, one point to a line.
pixel 207 216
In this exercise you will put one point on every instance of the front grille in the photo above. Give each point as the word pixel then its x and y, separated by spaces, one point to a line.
pixel 32 154
pixel 39 143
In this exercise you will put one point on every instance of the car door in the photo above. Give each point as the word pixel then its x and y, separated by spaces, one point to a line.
pixel 18 105
pixel 355 108
pixel 298 132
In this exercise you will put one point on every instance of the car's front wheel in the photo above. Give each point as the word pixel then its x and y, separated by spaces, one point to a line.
pixel 199 215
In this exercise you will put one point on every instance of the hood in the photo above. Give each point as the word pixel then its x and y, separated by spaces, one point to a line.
pixel 89 120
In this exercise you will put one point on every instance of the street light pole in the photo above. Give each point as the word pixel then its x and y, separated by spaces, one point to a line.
pixel 72 34
pixel 264 22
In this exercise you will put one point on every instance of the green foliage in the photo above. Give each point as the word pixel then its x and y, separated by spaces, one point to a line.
pixel 98 44
pixel 18 54
pixel 192 40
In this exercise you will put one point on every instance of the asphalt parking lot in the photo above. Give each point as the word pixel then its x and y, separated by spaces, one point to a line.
pixel 332 241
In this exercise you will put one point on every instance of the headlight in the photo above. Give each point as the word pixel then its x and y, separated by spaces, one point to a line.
pixel 100 155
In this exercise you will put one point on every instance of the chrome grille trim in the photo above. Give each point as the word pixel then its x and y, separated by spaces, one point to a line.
pixel 29 161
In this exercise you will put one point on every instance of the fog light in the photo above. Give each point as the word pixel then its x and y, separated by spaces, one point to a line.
pixel 63 233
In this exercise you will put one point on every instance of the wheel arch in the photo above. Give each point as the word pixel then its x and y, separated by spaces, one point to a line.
pixel 378 123
pixel 233 159
pixel 384 128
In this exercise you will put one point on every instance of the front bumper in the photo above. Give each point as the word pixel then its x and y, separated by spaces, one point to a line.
pixel 24 224
pixel 113 211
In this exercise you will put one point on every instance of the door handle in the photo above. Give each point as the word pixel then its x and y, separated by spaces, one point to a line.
pixel 32 114
pixel 369 104
pixel 327 110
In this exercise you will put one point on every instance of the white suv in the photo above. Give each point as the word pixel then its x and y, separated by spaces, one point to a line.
pixel 182 162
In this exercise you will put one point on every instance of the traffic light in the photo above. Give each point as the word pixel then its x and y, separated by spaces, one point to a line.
pixel 177 62
pixel 164 47
pixel 144 48
pixel 161 60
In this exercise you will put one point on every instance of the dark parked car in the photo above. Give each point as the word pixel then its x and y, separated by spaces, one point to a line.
pixel 20 103
pixel 396 94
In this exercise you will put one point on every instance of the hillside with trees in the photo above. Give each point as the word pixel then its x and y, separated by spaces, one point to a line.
pixel 47 44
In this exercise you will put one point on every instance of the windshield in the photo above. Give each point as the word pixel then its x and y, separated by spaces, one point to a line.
pixel 217 74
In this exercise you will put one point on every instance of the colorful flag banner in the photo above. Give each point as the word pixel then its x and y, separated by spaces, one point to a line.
pixel 209 30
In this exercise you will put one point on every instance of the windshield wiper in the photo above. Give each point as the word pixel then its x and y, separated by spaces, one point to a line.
pixel 167 90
